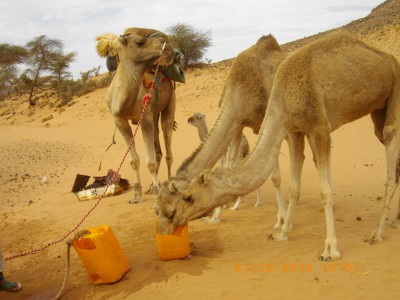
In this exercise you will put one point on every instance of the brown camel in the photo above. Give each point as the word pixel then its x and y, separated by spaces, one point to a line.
pixel 243 104
pixel 318 88
pixel 138 51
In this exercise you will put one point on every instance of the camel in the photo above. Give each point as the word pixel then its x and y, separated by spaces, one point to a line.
pixel 198 120
pixel 243 104
pixel 321 86
pixel 138 51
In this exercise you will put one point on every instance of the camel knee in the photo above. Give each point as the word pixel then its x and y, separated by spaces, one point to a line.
pixel 326 196
pixel 388 134
pixel 276 180
pixel 135 163
pixel 152 167
pixel 294 191
pixel 158 160
pixel 169 159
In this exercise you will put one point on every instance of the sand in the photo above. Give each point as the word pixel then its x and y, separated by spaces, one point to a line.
pixel 232 259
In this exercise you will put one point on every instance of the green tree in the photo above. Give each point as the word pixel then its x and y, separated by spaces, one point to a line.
pixel 10 57
pixel 59 65
pixel 41 54
pixel 191 42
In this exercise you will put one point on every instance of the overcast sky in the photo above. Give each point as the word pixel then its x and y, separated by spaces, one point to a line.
pixel 235 25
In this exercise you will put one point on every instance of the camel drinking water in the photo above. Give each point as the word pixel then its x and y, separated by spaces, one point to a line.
pixel 243 104
pixel 321 86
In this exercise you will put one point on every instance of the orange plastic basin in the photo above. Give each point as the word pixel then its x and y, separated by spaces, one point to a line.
pixel 173 246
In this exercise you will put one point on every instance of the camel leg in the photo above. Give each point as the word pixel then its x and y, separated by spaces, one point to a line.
pixel 157 151
pixel 296 151
pixel 147 127
pixel 232 156
pixel 215 216
pixel 392 143
pixel 378 118
pixel 126 132
pixel 167 125
pixel 157 145
pixel 321 140
pixel 236 206
pixel 276 182
pixel 234 149
pixel 258 200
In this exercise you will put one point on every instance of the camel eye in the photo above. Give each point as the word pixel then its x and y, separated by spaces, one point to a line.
pixel 140 42
pixel 188 198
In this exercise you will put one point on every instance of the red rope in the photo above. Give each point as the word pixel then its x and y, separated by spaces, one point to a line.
pixel 145 102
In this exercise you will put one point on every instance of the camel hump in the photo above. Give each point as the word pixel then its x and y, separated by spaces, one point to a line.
pixel 268 42
pixel 334 39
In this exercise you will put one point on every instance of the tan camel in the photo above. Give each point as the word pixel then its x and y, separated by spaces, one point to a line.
pixel 198 120
pixel 139 49
pixel 243 104
pixel 318 88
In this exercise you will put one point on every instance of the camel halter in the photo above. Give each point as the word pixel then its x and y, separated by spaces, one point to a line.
pixel 145 102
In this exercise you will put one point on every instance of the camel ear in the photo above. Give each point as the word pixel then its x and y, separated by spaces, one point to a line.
pixel 123 40
pixel 173 188
pixel 202 178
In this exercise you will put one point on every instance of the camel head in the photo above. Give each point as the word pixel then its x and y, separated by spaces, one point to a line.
pixel 208 190
pixel 169 195
pixel 197 120
pixel 205 192
pixel 145 50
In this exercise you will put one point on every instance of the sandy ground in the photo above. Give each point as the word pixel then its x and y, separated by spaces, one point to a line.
pixel 232 259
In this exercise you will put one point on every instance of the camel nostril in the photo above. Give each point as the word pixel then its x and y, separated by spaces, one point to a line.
pixel 188 198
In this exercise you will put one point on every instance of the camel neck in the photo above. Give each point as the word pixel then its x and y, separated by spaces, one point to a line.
pixel 203 131
pixel 215 145
pixel 247 176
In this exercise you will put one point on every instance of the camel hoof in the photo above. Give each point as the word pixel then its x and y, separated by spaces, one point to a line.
pixel 277 226
pixel 152 190
pixel 278 237
pixel 329 256
pixel 136 200
pixel 233 208
pixel 209 220
pixel 395 223
pixel 373 241
pixel 327 259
